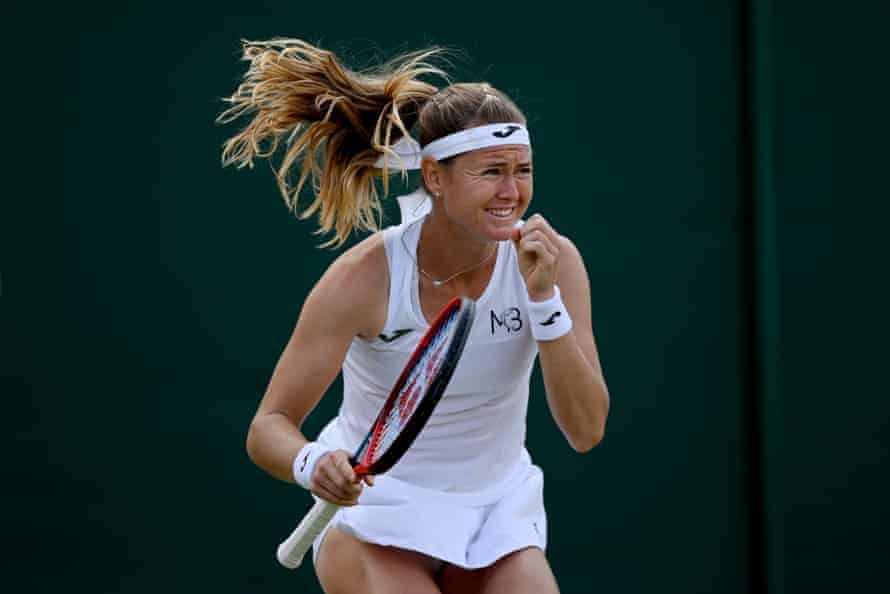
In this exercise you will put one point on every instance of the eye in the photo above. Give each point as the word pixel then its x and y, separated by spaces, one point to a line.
pixel 524 171
pixel 491 171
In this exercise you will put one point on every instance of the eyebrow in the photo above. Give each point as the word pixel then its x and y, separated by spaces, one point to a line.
pixel 503 162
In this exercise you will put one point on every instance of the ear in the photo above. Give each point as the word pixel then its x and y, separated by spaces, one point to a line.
pixel 432 175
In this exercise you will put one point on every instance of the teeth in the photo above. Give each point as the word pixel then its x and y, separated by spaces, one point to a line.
pixel 501 212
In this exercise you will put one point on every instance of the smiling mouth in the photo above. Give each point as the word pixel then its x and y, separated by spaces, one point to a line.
pixel 501 213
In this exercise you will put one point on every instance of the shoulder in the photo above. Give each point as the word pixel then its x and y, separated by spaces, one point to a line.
pixel 355 286
pixel 572 275
pixel 574 282
pixel 569 251
pixel 569 254
pixel 364 261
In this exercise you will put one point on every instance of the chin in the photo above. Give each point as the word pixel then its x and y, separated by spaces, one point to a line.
pixel 499 232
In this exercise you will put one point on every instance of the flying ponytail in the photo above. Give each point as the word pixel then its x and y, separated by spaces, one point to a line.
pixel 337 122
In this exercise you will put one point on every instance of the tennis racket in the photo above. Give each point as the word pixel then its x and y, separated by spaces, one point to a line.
pixel 406 410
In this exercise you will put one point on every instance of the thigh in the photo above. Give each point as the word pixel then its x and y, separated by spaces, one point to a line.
pixel 346 565
pixel 522 572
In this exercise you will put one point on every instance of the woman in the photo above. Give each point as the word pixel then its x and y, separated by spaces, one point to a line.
pixel 462 511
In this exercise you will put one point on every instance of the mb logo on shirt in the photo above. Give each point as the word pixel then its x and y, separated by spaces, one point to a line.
pixel 509 320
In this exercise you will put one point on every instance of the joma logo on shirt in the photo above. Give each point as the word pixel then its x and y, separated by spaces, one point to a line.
pixel 509 319
pixel 396 334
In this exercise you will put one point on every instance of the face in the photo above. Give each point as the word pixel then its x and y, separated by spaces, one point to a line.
pixel 484 191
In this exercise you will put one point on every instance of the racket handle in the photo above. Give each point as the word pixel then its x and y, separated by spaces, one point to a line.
pixel 291 551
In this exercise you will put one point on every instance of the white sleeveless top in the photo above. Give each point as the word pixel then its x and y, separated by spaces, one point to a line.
pixel 475 439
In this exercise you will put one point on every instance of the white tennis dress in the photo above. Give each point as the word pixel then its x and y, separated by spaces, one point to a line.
pixel 466 491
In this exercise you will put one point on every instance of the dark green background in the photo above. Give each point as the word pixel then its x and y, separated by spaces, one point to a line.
pixel 723 167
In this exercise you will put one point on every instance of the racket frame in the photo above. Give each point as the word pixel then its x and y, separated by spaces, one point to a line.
pixel 291 551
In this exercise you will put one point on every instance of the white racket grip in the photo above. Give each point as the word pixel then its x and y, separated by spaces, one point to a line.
pixel 291 551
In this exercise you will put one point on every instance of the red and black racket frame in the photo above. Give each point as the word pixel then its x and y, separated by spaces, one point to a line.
pixel 459 306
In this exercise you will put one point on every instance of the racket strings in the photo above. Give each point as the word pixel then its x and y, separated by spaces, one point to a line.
pixel 415 387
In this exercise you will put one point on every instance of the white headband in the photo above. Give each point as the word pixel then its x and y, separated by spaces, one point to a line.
pixel 409 154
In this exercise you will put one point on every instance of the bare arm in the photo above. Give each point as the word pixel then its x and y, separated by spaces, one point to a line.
pixel 349 300
pixel 576 391
pixel 573 377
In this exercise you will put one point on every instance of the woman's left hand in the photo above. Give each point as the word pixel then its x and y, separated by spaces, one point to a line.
pixel 537 246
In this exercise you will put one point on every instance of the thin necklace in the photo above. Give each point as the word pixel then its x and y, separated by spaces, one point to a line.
pixel 439 282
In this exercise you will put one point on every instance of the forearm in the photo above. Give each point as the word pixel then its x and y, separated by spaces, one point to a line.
pixel 273 442
pixel 576 391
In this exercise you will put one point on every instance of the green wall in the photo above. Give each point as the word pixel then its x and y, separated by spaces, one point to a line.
pixel 721 166
pixel 823 183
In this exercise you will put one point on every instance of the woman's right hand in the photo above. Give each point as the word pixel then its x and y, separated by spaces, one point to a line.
pixel 334 480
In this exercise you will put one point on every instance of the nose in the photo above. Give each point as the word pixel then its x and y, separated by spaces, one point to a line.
pixel 508 188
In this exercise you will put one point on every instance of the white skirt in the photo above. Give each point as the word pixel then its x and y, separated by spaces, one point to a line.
pixel 470 530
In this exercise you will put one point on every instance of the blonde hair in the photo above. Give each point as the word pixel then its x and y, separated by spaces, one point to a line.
pixel 302 97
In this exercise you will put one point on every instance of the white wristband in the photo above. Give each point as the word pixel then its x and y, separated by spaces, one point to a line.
pixel 305 462
pixel 549 319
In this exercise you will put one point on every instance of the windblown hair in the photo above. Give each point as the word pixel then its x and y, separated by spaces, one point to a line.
pixel 338 122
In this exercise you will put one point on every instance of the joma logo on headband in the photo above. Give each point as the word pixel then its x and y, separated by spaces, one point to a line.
pixel 506 131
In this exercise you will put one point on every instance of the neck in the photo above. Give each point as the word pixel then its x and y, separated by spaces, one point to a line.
pixel 445 249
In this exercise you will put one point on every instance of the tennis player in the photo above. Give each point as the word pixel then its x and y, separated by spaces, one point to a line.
pixel 463 510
